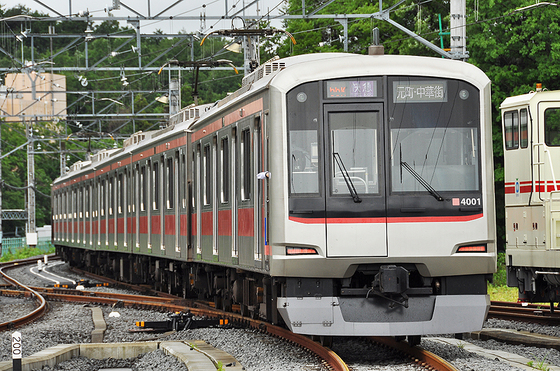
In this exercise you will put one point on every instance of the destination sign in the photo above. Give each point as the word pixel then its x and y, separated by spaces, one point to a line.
pixel 351 89
pixel 419 91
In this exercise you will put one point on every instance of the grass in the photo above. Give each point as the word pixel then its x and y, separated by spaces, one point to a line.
pixel 24 253
pixel 498 290
pixel 502 293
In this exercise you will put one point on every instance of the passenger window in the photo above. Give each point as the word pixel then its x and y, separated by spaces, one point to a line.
pixel 144 186
pixel 523 128
pixel 111 195
pixel 120 193
pixel 246 164
pixel 511 126
pixel 304 141
pixel 183 182
pixel 102 196
pixel 224 174
pixel 87 201
pixel 170 183
pixel 207 176
pixel 552 127
pixel 155 180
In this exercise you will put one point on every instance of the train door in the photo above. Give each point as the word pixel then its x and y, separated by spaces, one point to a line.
pixel 113 211
pixel 94 212
pixel 206 206
pixel 264 187
pixel 79 214
pixel 157 207
pixel 182 207
pixel 171 209
pixel 248 251
pixel 143 235
pixel 546 153
pixel 196 200
pixel 88 210
pixel 120 231
pixel 73 214
pixel 225 236
pixel 547 148
pixel 354 182
pixel 103 213
pixel 136 208
pixel 130 206
pixel 259 191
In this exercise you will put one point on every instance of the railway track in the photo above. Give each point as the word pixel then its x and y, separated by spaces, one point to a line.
pixel 169 303
pixel 524 312
pixel 41 303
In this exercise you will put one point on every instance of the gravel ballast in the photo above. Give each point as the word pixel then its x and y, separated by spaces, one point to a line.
pixel 71 323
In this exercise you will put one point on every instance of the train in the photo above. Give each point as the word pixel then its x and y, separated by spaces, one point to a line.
pixel 334 193
pixel 531 142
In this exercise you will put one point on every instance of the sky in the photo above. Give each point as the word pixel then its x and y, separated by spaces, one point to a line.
pixel 191 8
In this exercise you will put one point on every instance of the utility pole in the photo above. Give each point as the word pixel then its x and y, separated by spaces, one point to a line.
pixel 174 91
pixel 31 235
pixel 458 29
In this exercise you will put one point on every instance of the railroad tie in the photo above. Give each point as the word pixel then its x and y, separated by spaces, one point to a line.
pixel 99 325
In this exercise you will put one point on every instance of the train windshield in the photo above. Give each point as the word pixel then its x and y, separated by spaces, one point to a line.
pixel 434 134
pixel 354 152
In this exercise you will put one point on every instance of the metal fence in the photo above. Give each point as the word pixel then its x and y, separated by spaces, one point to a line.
pixel 11 245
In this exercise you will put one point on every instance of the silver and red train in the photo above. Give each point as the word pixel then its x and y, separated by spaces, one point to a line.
pixel 341 194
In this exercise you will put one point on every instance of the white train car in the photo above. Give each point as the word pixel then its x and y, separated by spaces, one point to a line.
pixel 531 128
pixel 341 194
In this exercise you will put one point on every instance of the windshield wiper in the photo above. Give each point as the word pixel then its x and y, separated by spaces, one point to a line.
pixel 422 181
pixel 346 177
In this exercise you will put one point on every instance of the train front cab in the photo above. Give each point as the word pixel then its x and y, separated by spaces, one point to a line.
pixel 390 206
pixel 531 127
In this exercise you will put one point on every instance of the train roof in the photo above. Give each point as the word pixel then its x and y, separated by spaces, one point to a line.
pixel 343 65
pixel 525 99
pixel 286 73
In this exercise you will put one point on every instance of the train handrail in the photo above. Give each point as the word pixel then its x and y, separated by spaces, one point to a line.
pixel 545 150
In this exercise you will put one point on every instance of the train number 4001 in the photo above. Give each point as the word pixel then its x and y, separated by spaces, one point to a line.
pixel 468 201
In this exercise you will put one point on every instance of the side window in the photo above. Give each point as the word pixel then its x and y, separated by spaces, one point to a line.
pixel 511 129
pixel 225 168
pixel 120 193
pixel 183 181
pixel 552 127
pixel 80 202
pixel 102 196
pixel 207 176
pixel 87 200
pixel 155 183
pixel 144 188
pixel 170 182
pixel 523 128
pixel 246 164
pixel 304 141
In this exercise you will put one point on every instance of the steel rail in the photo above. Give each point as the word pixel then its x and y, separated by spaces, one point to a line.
pixel 121 284
pixel 524 312
pixel 147 302
pixel 109 295
pixel 420 356
pixel 417 355
pixel 40 300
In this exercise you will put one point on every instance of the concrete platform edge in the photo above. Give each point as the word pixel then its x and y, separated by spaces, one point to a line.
pixel 182 350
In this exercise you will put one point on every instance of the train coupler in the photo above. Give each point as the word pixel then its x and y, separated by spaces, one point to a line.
pixel 179 321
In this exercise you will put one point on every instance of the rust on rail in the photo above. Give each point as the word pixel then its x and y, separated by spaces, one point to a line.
pixel 420 356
